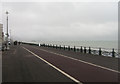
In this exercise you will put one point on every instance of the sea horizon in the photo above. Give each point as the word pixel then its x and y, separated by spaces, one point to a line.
pixel 104 44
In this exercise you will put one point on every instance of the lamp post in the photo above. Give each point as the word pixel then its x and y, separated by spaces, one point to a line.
pixel 7 47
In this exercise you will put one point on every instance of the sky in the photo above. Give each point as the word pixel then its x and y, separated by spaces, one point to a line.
pixel 36 21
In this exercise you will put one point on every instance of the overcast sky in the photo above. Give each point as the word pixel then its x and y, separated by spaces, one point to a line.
pixel 62 20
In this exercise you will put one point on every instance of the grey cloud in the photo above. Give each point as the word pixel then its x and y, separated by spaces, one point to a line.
pixel 63 20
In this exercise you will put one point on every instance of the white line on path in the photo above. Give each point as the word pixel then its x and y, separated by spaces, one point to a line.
pixel 82 61
pixel 75 80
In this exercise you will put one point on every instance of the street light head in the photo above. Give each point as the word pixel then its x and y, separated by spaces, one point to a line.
pixel 7 12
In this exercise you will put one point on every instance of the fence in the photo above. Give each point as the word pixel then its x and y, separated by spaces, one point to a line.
pixel 82 49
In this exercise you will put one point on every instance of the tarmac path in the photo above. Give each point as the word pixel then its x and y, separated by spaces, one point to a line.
pixel 26 63
pixel 83 72
pixel 18 65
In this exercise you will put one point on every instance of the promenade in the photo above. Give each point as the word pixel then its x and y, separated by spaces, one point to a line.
pixel 28 63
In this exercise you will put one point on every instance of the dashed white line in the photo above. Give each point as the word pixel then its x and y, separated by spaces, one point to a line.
pixel 72 78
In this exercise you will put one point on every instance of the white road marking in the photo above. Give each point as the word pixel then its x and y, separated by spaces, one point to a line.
pixel 72 78
pixel 82 61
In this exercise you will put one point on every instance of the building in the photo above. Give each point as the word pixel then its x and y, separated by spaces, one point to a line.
pixel 1 36
pixel 1 30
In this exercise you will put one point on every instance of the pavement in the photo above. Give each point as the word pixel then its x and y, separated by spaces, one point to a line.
pixel 27 63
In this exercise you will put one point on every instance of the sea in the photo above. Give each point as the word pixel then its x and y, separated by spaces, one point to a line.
pixel 105 45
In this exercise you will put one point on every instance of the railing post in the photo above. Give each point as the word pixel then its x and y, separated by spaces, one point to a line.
pixel 64 47
pixel 84 49
pixel 113 53
pixel 74 49
pixel 100 52
pixel 60 46
pixel 81 50
pixel 68 48
pixel 53 45
pixel 56 46
pixel 89 50
pixel 50 45
pixel 78 50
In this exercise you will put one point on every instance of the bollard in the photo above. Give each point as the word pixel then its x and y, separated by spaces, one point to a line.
pixel 84 49
pixel 89 50
pixel 100 52
pixel 81 50
pixel 113 53
pixel 74 49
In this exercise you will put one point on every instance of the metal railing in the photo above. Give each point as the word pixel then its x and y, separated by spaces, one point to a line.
pixel 90 50
pixel 82 49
